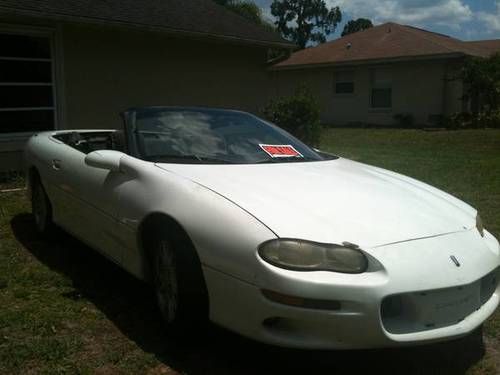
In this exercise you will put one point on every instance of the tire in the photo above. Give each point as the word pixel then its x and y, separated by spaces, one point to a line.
pixel 179 285
pixel 41 209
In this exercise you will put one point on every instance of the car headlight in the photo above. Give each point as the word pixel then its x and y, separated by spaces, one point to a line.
pixel 300 255
pixel 479 225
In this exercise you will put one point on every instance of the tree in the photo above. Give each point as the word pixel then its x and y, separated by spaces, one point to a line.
pixel 305 21
pixel 354 26
pixel 481 78
pixel 246 9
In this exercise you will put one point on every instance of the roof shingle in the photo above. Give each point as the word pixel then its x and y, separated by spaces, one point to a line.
pixel 181 16
pixel 387 41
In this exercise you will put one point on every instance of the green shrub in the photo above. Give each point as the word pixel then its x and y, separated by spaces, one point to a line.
pixel 404 120
pixel 467 120
pixel 299 114
pixel 460 120
pixel 490 119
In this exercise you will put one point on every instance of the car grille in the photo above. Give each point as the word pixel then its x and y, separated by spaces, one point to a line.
pixel 426 310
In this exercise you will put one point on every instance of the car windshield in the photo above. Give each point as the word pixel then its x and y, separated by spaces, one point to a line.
pixel 212 136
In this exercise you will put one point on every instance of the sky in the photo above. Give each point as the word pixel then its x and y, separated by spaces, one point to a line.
pixel 462 19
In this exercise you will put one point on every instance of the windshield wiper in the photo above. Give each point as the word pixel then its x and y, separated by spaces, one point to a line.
pixel 190 158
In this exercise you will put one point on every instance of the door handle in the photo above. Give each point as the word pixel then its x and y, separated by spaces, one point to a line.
pixel 56 164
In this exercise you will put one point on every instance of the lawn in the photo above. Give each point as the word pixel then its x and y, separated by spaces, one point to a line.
pixel 66 309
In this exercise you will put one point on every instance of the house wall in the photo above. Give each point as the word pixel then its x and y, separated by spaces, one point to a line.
pixel 418 88
pixel 103 70
pixel 108 71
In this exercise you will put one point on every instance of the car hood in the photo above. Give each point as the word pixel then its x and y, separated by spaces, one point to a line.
pixel 334 201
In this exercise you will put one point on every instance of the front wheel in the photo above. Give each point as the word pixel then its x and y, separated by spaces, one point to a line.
pixel 167 288
pixel 179 285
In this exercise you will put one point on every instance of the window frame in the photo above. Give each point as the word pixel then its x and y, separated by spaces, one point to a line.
pixel 377 86
pixel 336 80
pixel 52 35
pixel 376 108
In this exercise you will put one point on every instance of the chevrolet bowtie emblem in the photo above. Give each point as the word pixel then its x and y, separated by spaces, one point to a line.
pixel 455 260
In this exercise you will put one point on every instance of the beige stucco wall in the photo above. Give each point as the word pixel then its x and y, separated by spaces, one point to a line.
pixel 109 70
pixel 418 88
pixel 104 70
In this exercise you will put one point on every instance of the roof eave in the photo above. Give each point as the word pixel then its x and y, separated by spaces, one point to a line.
pixel 369 61
pixel 158 28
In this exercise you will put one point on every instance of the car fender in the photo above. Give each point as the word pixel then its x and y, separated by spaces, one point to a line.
pixel 225 236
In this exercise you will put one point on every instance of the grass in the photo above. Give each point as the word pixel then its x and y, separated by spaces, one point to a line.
pixel 66 309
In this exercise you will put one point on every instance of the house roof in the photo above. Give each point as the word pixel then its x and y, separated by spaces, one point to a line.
pixel 488 46
pixel 190 17
pixel 387 42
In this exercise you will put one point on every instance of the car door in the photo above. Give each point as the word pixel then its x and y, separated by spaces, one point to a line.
pixel 49 166
pixel 88 200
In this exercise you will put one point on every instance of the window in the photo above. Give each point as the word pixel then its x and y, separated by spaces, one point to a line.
pixel 344 83
pixel 27 102
pixel 381 93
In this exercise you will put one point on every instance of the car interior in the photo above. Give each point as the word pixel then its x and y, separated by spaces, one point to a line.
pixel 87 142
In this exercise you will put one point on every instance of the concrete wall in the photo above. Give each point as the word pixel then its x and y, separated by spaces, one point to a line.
pixel 418 88
pixel 103 70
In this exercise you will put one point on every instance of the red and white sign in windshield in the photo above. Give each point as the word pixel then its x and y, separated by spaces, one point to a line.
pixel 280 151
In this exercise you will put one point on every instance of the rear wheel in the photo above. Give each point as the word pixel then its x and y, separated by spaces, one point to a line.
pixel 41 208
pixel 179 284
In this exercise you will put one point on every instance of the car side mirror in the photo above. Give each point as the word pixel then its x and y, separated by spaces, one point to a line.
pixel 104 159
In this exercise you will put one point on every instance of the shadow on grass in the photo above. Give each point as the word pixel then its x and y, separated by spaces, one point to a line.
pixel 130 305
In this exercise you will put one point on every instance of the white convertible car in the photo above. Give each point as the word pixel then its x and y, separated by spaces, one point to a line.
pixel 235 220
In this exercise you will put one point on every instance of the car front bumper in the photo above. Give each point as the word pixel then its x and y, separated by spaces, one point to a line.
pixel 412 293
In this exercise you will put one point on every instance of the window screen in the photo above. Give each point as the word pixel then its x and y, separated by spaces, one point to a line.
pixel 344 83
pixel 26 84
pixel 381 92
